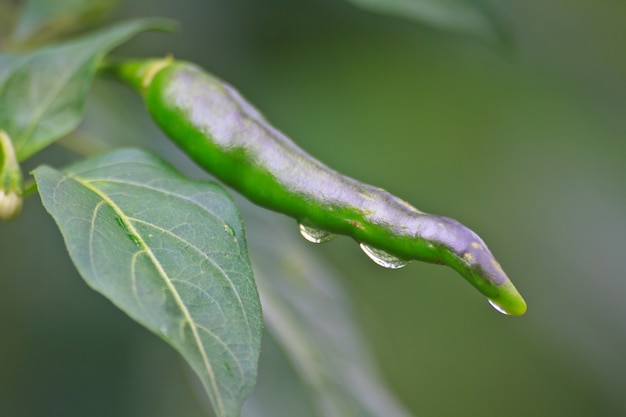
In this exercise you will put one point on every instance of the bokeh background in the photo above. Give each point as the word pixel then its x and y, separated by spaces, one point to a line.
pixel 526 146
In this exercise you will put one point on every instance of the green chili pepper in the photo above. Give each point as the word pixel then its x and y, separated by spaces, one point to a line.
pixel 228 137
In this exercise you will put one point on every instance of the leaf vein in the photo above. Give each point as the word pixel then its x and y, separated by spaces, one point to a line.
pixel 133 277
pixel 92 230
pixel 208 259
pixel 227 349
pixel 160 190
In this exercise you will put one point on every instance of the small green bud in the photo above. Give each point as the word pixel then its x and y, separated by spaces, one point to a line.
pixel 10 205
pixel 10 180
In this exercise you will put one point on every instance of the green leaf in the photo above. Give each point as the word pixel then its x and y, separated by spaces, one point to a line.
pixel 309 315
pixel 470 16
pixel 171 253
pixel 42 94
pixel 41 20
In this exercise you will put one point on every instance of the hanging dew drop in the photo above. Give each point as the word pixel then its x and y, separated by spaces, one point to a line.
pixel 314 235
pixel 383 258
pixel 497 307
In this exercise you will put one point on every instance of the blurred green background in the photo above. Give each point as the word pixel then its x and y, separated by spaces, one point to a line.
pixel 526 147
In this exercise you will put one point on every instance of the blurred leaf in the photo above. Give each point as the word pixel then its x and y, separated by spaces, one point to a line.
pixel 278 391
pixel 171 253
pixel 7 18
pixel 309 315
pixel 469 16
pixel 41 20
pixel 42 94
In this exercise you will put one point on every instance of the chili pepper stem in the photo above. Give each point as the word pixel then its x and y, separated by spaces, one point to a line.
pixel 138 73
